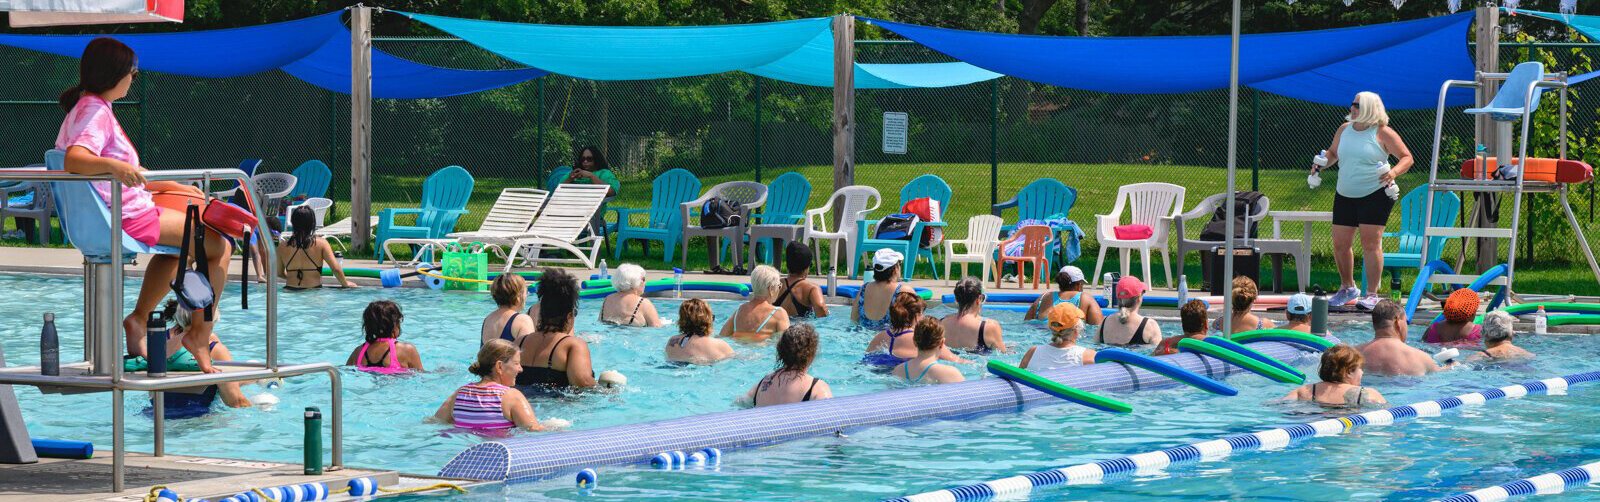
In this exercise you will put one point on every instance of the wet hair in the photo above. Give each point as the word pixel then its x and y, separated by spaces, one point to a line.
pixel 904 309
pixel 1193 315
pixel 304 221
pixel 599 158
pixel 929 334
pixel 797 256
pixel 967 293
pixel 492 353
pixel 797 348
pixel 628 278
pixel 1386 311
pixel 1244 293
pixel 1337 362
pixel 694 318
pixel 381 320
pixel 1065 282
pixel 765 282
pixel 105 61
pixel 890 273
pixel 1497 328
pixel 508 289
pixel 558 300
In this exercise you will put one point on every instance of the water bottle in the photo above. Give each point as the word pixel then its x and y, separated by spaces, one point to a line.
pixel 1183 290
pixel 313 442
pixel 1540 323
pixel 1111 287
pixel 339 257
pixel 1393 188
pixel 1319 313
pixel 603 273
pixel 677 280
pixel 1314 180
pixel 155 341
pixel 49 348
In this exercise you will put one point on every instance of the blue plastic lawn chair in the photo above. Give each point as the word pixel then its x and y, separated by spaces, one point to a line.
pixel 927 185
pixel 668 193
pixel 1038 201
pixel 444 200
pixel 86 220
pixel 786 205
pixel 311 180
pixel 557 175
pixel 1446 206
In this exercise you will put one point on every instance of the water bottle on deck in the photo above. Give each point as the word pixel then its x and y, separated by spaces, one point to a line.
pixel 1183 290
pixel 313 442
pixel 603 273
pixel 1540 323
pixel 677 281
pixel 49 348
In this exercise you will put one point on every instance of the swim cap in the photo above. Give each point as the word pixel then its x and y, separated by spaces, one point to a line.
pixel 1064 316
pixel 1461 306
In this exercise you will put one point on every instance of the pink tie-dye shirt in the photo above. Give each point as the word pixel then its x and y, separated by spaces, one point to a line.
pixel 91 125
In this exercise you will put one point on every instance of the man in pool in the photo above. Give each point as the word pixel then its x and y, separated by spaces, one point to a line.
pixel 1387 354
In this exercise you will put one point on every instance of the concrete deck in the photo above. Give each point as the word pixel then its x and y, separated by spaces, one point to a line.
pixel 58 480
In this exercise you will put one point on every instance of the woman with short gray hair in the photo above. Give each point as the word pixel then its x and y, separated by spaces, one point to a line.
pixel 1497 336
pixel 628 306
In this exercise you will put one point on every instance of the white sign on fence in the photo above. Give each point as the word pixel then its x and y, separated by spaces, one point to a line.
pixel 894 132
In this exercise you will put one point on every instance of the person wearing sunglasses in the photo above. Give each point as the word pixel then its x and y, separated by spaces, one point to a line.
pixel 591 169
pixel 1366 192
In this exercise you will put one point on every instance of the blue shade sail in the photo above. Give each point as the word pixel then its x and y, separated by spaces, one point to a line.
pixel 397 78
pixel 812 64
pixel 1405 62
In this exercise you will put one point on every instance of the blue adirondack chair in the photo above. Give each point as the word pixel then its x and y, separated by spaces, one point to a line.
pixel 669 191
pixel 1446 206
pixel 786 205
pixel 927 185
pixel 556 176
pixel 311 180
pixel 444 200
pixel 1039 200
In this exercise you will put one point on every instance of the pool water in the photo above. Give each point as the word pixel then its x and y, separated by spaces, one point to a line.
pixel 1417 460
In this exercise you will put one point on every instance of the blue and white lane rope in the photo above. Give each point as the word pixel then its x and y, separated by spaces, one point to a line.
pixel 1545 484
pixel 1220 448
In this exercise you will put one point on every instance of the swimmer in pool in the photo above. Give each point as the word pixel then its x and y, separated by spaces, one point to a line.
pixel 552 357
pixel 1457 328
pixel 893 346
pixel 507 322
pixel 1387 354
pixel 967 329
pixel 181 360
pixel 1497 336
pixel 1244 298
pixel 1298 312
pixel 792 382
pixel 383 352
pixel 1193 316
pixel 694 343
pixel 871 308
pixel 1066 326
pixel 1070 281
pixel 1128 326
pixel 302 256
pixel 628 306
pixel 491 404
pixel 926 366
pixel 1341 381
pixel 758 319
pixel 800 298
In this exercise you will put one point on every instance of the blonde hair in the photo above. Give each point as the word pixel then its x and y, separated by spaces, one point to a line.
pixel 1244 294
pixel 508 289
pixel 765 282
pixel 1059 336
pixel 1369 110
pixel 629 277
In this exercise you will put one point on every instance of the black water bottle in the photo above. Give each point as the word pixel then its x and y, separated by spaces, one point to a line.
pixel 1319 313
pixel 155 343
pixel 49 348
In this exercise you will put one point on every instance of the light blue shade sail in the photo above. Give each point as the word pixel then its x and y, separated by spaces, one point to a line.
pixel 812 64
pixel 1405 62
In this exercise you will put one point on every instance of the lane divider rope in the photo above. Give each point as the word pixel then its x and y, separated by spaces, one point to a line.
pixel 1545 484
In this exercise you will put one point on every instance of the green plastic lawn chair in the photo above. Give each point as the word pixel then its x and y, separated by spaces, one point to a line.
pixel 665 221
pixel 927 185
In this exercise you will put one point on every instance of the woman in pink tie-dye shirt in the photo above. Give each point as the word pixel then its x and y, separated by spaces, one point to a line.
pixel 96 144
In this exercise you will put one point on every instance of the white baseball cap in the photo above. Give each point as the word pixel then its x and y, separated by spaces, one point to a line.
pixel 1074 274
pixel 886 259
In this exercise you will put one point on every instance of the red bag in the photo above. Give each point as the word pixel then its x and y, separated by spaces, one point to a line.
pixel 926 209
pixel 223 217
pixel 1133 232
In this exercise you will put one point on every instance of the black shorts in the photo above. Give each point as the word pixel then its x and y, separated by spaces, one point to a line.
pixel 1373 209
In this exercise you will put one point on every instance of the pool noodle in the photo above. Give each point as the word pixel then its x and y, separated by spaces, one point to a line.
pixel 990 299
pixel 544 455
pixel 1144 362
pixel 63 448
pixel 1035 382
pixel 1241 360
pixel 850 291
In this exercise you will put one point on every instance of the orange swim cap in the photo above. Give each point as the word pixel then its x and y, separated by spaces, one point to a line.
pixel 1461 306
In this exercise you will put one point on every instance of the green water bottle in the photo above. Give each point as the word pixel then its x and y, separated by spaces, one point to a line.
pixel 313 445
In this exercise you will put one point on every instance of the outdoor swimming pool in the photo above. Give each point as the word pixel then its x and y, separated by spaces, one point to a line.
pixel 384 415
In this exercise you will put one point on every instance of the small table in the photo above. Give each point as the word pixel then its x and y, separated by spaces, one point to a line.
pixel 1306 218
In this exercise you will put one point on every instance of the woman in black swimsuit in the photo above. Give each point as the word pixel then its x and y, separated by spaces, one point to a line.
pixel 628 306
pixel 967 329
pixel 552 358
pixel 1341 381
pixel 791 383
pixel 302 256
pixel 507 322
pixel 800 298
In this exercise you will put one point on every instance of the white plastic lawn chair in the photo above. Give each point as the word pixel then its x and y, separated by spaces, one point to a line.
pixel 273 188
pixel 513 212
pixel 563 225
pixel 319 207
pixel 854 203
pixel 983 234
pixel 748 194
pixel 1152 204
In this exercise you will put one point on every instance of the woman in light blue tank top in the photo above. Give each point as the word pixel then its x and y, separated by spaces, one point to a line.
pixel 1364 197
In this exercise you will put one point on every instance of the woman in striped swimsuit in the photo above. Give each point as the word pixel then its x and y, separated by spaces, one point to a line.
pixel 491 403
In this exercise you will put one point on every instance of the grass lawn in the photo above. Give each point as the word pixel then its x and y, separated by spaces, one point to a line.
pixel 1559 267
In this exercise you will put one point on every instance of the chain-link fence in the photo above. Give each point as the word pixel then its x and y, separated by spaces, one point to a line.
pixel 987 139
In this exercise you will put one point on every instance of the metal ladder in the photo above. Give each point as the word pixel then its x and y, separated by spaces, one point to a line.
pixel 1516 187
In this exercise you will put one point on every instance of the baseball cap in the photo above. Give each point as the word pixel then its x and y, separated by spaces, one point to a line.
pixel 1300 303
pixel 1130 287
pixel 1074 274
pixel 1064 315
pixel 886 259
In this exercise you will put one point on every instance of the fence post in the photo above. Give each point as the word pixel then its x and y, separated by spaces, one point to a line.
pixel 994 142
pixel 758 128
pixel 1255 139
pixel 844 101
pixel 360 125
pixel 538 135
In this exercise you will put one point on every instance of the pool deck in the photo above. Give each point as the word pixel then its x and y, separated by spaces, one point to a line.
pixel 58 480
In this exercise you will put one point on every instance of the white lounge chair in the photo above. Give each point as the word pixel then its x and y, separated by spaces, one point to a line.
pixel 339 231
pixel 513 212
pixel 563 225
pixel 1152 204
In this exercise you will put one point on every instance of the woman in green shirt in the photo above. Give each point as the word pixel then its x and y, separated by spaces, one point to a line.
pixel 592 169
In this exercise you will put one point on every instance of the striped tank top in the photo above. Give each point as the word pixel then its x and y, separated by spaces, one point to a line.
pixel 478 406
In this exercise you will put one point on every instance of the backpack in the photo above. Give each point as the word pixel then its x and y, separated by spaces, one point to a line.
pixel 1244 203
pixel 926 209
pixel 896 227
pixel 719 212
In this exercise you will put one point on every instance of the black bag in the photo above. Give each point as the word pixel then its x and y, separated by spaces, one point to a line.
pixel 897 227
pixel 719 213
pixel 193 286
pixel 1244 203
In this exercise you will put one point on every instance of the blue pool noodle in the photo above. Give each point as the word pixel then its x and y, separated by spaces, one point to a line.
pixel 63 448
pixel 545 455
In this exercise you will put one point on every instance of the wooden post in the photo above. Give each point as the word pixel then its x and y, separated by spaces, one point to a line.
pixel 360 125
pixel 844 101
pixel 1487 36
